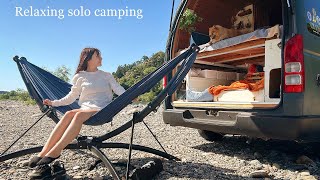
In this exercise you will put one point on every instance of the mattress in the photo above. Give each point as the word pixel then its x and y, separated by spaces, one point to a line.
pixel 268 33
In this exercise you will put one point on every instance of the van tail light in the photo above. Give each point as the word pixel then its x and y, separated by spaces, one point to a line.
pixel 294 76
pixel 164 82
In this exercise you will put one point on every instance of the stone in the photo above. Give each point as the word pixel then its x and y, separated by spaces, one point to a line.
pixel 305 173
pixel 275 165
pixel 76 167
pixel 23 163
pixel 77 177
pixel 98 178
pixel 259 174
pixel 22 170
pixel 36 115
pixel 256 163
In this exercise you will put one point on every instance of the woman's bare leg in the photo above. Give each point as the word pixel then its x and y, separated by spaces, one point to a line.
pixel 71 132
pixel 58 131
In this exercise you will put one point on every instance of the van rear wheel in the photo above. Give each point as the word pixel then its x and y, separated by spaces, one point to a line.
pixel 210 136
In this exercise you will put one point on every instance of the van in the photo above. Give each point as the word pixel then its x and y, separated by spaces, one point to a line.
pixel 257 72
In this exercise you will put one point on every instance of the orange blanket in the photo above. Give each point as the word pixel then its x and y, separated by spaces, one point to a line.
pixel 215 90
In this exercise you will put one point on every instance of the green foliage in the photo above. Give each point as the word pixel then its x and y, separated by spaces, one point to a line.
pixel 188 21
pixel 129 74
pixel 18 95
pixel 61 72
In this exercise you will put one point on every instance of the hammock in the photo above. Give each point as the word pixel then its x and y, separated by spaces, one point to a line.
pixel 43 85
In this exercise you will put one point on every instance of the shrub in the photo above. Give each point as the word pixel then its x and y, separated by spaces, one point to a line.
pixel 18 95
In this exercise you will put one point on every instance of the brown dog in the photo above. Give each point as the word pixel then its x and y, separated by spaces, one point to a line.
pixel 218 33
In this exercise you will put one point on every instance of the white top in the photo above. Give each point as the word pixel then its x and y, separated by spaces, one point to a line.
pixel 94 88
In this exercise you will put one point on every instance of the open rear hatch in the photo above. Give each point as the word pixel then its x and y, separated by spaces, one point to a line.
pixel 239 63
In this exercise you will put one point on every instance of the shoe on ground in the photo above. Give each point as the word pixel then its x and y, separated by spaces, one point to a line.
pixel 33 161
pixel 57 169
pixel 46 160
pixel 41 172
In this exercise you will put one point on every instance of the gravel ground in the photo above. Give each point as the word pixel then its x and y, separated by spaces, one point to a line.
pixel 235 157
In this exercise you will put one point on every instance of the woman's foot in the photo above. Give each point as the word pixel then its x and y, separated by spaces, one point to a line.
pixel 33 161
pixel 47 160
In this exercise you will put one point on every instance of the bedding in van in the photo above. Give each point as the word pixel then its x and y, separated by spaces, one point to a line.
pixel 271 32
pixel 257 34
pixel 237 91
pixel 195 96
pixel 239 95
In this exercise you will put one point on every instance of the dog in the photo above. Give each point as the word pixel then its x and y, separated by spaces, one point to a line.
pixel 218 33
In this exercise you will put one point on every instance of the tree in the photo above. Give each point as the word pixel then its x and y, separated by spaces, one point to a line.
pixel 129 74
pixel 61 72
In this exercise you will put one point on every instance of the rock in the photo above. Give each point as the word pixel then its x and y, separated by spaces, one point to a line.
pixel 256 164
pixel 23 163
pixel 305 173
pixel 259 174
pixel 77 177
pixel 22 170
pixel 275 165
pixel 242 162
pixel 305 176
pixel 133 110
pixel 36 115
pixel 98 178
pixel 305 160
pixel 76 167
pixel 94 173
pixel 11 171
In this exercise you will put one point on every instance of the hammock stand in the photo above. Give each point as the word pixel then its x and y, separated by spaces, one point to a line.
pixel 94 144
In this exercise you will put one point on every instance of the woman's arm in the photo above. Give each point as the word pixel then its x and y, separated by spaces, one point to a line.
pixel 116 87
pixel 72 95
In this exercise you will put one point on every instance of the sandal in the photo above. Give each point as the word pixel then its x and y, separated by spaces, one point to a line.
pixel 33 161
pixel 46 160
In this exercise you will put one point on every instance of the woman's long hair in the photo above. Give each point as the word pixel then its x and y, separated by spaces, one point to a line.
pixel 85 56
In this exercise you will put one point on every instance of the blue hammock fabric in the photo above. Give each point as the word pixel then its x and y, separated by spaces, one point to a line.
pixel 48 86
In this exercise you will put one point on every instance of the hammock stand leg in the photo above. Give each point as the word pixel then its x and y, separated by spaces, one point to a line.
pixel 130 146
pixel 106 161
pixel 102 145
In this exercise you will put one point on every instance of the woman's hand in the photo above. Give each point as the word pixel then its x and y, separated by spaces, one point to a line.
pixel 135 100
pixel 47 102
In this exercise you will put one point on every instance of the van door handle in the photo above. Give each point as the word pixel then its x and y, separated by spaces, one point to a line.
pixel 318 80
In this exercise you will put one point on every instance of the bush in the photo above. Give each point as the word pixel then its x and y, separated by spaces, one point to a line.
pixel 18 95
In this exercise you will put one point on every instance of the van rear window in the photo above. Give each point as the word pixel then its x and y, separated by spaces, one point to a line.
pixel 313 16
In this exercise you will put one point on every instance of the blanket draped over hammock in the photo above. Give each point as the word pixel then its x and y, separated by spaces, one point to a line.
pixel 216 90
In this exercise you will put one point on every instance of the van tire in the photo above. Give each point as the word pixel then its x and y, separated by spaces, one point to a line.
pixel 210 136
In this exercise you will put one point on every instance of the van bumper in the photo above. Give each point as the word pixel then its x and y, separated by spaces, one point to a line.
pixel 243 123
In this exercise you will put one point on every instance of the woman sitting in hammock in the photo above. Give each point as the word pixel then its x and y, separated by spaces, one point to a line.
pixel 95 88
